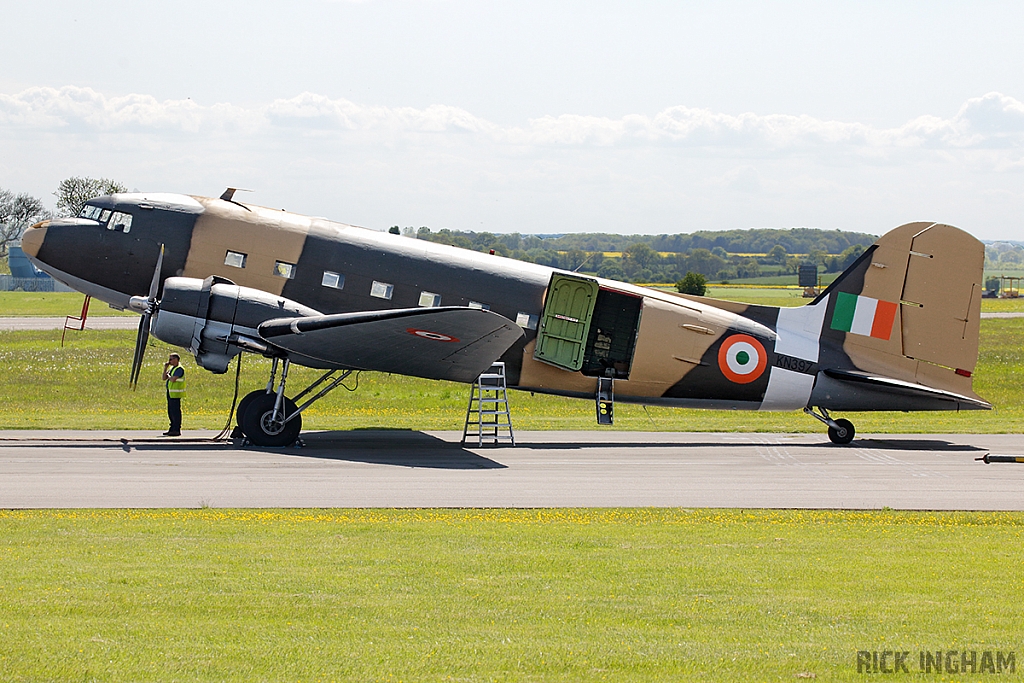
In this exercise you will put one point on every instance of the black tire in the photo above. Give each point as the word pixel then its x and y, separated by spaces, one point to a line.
pixel 844 434
pixel 258 428
pixel 244 404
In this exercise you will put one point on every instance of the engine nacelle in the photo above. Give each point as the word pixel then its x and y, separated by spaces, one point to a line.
pixel 215 319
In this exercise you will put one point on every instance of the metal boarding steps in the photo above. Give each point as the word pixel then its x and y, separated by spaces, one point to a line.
pixel 605 400
pixel 487 415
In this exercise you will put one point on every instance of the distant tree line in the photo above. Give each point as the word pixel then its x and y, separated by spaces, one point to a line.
pixel 1004 256
pixel 729 255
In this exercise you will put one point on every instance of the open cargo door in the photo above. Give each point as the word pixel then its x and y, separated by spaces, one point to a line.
pixel 565 324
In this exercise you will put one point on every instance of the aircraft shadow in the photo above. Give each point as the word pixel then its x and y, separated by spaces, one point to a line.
pixel 936 445
pixel 915 445
pixel 127 445
pixel 401 448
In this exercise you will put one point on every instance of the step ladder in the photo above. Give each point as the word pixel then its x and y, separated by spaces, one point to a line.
pixel 487 416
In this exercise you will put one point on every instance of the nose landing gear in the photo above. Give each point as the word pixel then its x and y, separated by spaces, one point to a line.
pixel 840 431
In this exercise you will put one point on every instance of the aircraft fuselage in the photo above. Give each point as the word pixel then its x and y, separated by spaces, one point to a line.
pixel 660 348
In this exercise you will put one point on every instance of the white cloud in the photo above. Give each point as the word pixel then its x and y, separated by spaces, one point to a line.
pixel 994 120
pixel 679 169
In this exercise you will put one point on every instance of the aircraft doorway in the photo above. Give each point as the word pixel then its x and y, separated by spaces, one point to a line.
pixel 612 338
pixel 588 328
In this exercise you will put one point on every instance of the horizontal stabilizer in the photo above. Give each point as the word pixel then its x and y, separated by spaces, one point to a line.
pixel 453 342
pixel 909 389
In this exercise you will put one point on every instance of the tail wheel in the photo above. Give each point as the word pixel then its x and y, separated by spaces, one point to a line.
pixel 842 433
pixel 262 429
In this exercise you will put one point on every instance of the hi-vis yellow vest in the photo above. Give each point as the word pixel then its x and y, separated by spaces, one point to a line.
pixel 176 385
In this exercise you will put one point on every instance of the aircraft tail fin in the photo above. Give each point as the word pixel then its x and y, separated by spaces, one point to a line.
pixel 909 308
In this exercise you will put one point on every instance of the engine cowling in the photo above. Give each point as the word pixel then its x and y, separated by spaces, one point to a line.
pixel 215 319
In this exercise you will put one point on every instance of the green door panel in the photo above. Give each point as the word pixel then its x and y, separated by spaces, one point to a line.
pixel 565 324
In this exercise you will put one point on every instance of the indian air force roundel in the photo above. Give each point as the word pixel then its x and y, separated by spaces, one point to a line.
pixel 742 358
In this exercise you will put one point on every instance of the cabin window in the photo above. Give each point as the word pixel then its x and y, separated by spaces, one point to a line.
pixel 429 299
pixel 283 269
pixel 104 215
pixel 235 259
pixel 477 304
pixel 526 321
pixel 382 290
pixel 121 222
pixel 91 212
pixel 333 280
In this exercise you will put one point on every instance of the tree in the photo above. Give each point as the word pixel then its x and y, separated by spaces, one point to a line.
pixel 642 255
pixel 704 262
pixel 395 230
pixel 692 283
pixel 17 212
pixel 748 268
pixel 611 270
pixel 74 192
pixel 777 254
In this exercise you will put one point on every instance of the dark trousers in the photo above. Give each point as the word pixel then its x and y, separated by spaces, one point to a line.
pixel 174 413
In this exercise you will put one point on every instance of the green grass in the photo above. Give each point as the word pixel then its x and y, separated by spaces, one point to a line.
pixel 793 296
pixel 1003 305
pixel 826 279
pixel 497 595
pixel 762 296
pixel 64 303
pixel 51 304
pixel 84 386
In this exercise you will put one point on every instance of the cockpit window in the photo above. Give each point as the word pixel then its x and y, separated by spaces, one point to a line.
pixel 91 212
pixel 121 222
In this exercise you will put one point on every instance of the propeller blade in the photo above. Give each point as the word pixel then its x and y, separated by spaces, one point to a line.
pixel 154 286
pixel 142 338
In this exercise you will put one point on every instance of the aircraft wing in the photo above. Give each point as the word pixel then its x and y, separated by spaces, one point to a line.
pixel 895 386
pixel 453 342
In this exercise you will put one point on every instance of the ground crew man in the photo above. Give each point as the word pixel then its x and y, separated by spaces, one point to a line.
pixel 174 376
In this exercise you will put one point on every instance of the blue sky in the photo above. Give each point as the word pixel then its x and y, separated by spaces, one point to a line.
pixel 532 117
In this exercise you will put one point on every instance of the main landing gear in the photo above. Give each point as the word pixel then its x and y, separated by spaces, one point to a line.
pixel 839 431
pixel 269 418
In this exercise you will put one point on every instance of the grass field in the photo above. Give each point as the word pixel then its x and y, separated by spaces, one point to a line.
pixel 498 595
pixel 51 304
pixel 64 303
pixel 84 386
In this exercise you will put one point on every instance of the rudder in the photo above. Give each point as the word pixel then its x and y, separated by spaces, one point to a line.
pixel 910 307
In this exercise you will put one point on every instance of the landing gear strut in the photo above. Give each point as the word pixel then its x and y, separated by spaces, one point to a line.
pixel 269 418
pixel 839 431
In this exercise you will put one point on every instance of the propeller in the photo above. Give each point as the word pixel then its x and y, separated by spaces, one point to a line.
pixel 147 307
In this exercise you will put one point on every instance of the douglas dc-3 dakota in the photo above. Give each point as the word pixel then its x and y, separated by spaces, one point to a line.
pixel 897 331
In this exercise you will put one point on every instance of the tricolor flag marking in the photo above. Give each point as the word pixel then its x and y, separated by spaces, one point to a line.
pixel 863 315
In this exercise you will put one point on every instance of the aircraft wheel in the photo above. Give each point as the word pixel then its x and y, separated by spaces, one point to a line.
pixel 843 432
pixel 244 404
pixel 262 430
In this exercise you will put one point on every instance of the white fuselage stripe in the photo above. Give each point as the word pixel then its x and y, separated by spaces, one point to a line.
pixel 799 335
pixel 787 390
pixel 799 330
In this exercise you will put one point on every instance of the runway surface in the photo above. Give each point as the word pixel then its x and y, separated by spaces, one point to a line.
pixel 113 322
pixel 14 323
pixel 547 469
